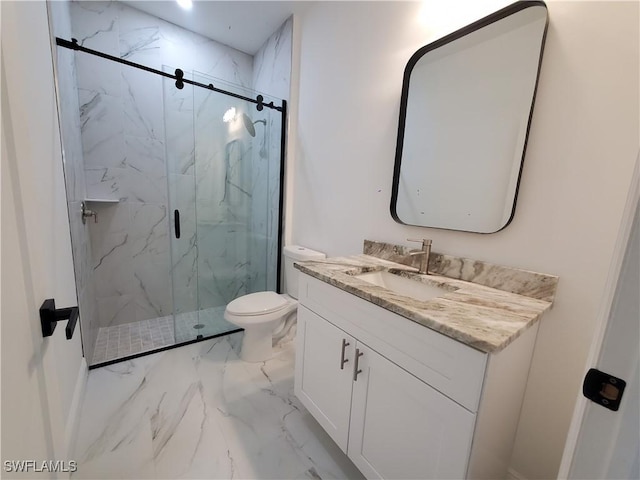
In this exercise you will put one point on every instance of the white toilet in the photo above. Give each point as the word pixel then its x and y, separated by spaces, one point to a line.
pixel 262 313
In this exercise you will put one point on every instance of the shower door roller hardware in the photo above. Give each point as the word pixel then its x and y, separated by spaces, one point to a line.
pixel 50 316
pixel 603 389
pixel 86 213
pixel 179 79
pixel 176 222
pixel 356 370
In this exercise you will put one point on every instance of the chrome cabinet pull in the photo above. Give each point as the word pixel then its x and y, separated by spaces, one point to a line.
pixel 356 371
pixel 343 360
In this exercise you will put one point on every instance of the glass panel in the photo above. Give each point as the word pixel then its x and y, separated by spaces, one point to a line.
pixel 223 160
pixel 179 151
pixel 114 155
pixel 235 168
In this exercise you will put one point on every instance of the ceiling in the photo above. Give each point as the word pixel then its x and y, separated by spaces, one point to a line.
pixel 243 25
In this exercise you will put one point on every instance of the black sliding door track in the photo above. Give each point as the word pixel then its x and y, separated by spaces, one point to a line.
pixel 178 76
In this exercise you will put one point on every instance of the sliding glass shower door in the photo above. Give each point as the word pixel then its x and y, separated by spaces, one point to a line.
pixel 224 165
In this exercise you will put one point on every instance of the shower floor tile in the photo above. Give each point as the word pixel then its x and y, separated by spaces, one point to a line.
pixel 198 411
pixel 134 338
pixel 205 322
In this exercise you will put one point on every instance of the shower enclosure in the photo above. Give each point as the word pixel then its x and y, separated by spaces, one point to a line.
pixel 183 172
pixel 223 164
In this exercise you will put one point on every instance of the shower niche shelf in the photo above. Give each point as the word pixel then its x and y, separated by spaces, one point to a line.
pixel 86 212
pixel 102 200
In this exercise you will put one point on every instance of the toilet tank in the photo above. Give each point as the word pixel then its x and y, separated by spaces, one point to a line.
pixel 296 253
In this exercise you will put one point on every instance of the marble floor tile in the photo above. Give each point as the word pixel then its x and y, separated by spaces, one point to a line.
pixel 198 411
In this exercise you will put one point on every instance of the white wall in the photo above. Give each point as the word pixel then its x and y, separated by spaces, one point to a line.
pixel 582 147
pixel 42 378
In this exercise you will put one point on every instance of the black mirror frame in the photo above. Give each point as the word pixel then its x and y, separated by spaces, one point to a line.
pixel 477 25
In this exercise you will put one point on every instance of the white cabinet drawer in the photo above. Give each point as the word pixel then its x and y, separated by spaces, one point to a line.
pixel 449 366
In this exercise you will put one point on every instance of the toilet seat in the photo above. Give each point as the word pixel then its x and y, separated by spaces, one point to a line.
pixel 259 303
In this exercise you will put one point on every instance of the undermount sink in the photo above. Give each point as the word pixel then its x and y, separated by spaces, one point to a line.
pixel 401 285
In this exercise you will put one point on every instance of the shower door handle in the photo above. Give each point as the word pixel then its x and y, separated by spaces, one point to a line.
pixel 176 222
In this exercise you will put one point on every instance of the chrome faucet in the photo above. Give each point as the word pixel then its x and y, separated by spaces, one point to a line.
pixel 85 213
pixel 424 252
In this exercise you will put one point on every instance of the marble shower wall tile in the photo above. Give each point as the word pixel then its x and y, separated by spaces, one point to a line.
pixel 154 42
pixel 223 175
pixel 102 120
pixel 215 140
pixel 142 105
pixel 145 175
pixel 192 52
pixel 140 37
pixel 222 263
pixel 151 261
pixel 149 232
pixel 95 25
pixel 112 265
pixel 107 183
pixel 131 262
pixel 180 152
pixel 212 194
pixel 272 74
pixel 224 192
pixel 116 310
pixel 182 192
pixel 97 75
pixel 184 251
pixel 272 63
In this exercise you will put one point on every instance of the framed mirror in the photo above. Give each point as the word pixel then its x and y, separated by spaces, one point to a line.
pixel 466 106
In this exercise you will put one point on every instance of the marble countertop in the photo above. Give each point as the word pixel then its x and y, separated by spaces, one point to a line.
pixel 482 317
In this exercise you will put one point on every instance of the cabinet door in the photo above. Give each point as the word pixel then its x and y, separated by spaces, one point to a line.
pixel 322 381
pixel 402 428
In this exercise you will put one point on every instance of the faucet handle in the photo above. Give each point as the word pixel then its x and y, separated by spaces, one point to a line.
pixel 424 241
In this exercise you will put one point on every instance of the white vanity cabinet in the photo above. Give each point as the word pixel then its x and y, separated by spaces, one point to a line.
pixel 401 400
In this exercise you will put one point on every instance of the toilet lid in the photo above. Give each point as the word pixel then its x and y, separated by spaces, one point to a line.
pixel 257 304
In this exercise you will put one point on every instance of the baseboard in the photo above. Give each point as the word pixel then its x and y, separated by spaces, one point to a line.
pixel 513 475
pixel 71 428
